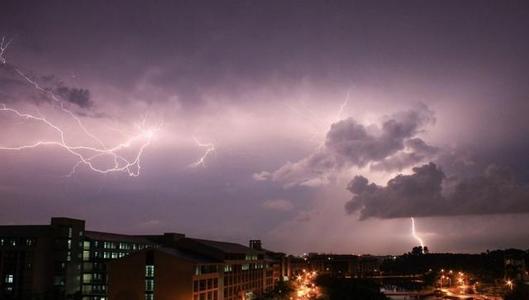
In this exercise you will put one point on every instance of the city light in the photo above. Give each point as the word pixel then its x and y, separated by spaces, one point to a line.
pixel 304 287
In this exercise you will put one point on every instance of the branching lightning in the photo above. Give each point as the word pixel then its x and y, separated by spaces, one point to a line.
pixel 414 234
pixel 85 154
pixel 209 148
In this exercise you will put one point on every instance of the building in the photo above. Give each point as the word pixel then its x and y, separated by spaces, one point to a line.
pixel 98 248
pixel 194 269
pixel 62 260
pixel 41 261
pixel 344 264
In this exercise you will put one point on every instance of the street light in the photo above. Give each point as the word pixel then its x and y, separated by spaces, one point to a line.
pixel 509 283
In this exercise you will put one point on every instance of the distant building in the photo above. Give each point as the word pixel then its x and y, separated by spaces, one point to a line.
pixel 515 269
pixel 256 244
pixel 344 264
pixel 63 261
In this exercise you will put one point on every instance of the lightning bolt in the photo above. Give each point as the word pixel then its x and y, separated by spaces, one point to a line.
pixel 414 234
pixel 3 47
pixel 209 148
pixel 84 154
pixel 342 107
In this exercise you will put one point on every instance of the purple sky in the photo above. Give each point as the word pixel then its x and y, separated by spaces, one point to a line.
pixel 332 122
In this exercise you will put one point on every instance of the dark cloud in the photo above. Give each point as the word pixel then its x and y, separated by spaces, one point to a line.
pixel 358 145
pixel 14 88
pixel 429 192
pixel 77 96
pixel 393 145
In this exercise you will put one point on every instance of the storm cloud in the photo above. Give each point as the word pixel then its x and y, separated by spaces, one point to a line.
pixel 394 145
pixel 14 87
pixel 430 192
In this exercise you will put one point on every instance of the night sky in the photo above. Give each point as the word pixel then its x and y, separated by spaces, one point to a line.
pixel 323 125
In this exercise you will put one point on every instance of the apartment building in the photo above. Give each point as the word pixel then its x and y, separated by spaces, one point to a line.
pixel 62 260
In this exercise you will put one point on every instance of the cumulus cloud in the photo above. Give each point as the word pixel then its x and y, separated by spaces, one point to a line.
pixel 429 192
pixel 393 145
pixel 278 204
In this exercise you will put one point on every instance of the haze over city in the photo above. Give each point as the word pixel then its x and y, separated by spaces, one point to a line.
pixel 310 125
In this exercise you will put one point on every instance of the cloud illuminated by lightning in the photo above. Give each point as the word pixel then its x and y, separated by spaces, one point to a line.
pixel 414 234
pixel 209 148
pixel 85 154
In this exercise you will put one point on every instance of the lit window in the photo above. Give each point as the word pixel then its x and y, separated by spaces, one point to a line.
pixel 86 245
pixel 9 278
pixel 87 278
pixel 149 285
pixel 86 255
pixel 149 296
pixel 149 271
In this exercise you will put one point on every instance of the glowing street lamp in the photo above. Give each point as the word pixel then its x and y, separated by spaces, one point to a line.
pixel 509 283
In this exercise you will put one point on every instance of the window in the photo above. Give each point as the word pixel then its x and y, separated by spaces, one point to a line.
pixel 149 285
pixel 228 268
pixel 9 278
pixel 86 255
pixel 87 278
pixel 86 245
pixel 149 271
pixel 109 245
pixel 114 255
pixel 149 296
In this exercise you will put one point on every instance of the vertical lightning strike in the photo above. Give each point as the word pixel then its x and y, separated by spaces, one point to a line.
pixel 210 147
pixel 414 234
pixel 85 154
